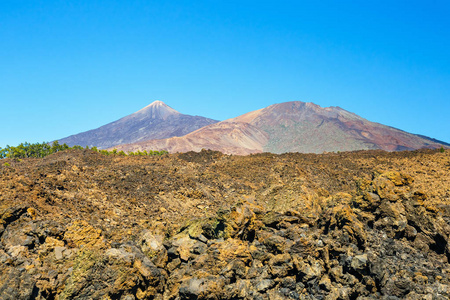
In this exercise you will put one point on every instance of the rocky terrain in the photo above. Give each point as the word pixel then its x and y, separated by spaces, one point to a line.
pixel 155 121
pixel 292 127
pixel 353 225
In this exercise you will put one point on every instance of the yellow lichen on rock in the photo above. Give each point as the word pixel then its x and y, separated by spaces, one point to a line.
pixel 32 213
pixel 81 233
pixel 52 242
pixel 398 178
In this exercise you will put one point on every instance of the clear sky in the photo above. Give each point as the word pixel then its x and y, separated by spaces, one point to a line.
pixel 71 66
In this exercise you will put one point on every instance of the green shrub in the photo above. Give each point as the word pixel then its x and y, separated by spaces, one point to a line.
pixel 26 150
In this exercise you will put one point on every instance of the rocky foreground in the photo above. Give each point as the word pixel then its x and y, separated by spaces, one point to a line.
pixel 362 225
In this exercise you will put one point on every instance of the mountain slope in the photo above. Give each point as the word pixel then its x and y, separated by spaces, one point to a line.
pixel 227 137
pixel 155 121
pixel 307 127
pixel 293 127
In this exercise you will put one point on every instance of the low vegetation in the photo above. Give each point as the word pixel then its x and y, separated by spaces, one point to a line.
pixel 138 153
pixel 38 150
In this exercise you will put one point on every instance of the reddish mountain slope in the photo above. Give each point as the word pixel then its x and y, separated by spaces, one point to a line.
pixel 227 137
pixel 307 127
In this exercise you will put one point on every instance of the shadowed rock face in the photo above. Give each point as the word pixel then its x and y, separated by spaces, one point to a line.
pixel 292 127
pixel 367 225
pixel 155 121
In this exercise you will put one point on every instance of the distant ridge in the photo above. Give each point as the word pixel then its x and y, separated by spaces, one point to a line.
pixel 155 121
pixel 434 140
pixel 292 127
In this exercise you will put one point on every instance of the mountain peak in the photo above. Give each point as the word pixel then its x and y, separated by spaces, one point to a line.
pixel 157 103
pixel 157 110
pixel 155 121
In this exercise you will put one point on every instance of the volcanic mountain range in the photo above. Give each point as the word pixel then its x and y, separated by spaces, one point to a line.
pixel 285 127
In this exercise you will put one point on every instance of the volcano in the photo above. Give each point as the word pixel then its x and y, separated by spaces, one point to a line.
pixel 155 121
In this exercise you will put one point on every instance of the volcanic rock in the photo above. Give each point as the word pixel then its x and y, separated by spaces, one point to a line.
pixel 363 225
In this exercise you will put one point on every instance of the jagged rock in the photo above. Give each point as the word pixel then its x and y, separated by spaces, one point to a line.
pixel 242 289
pixel 59 252
pixel 152 243
pixel 16 283
pixel 81 233
pixel 281 265
pixel 264 285
pixel 276 227
pixel 11 214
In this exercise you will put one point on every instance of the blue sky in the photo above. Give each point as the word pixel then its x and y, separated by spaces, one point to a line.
pixel 71 66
